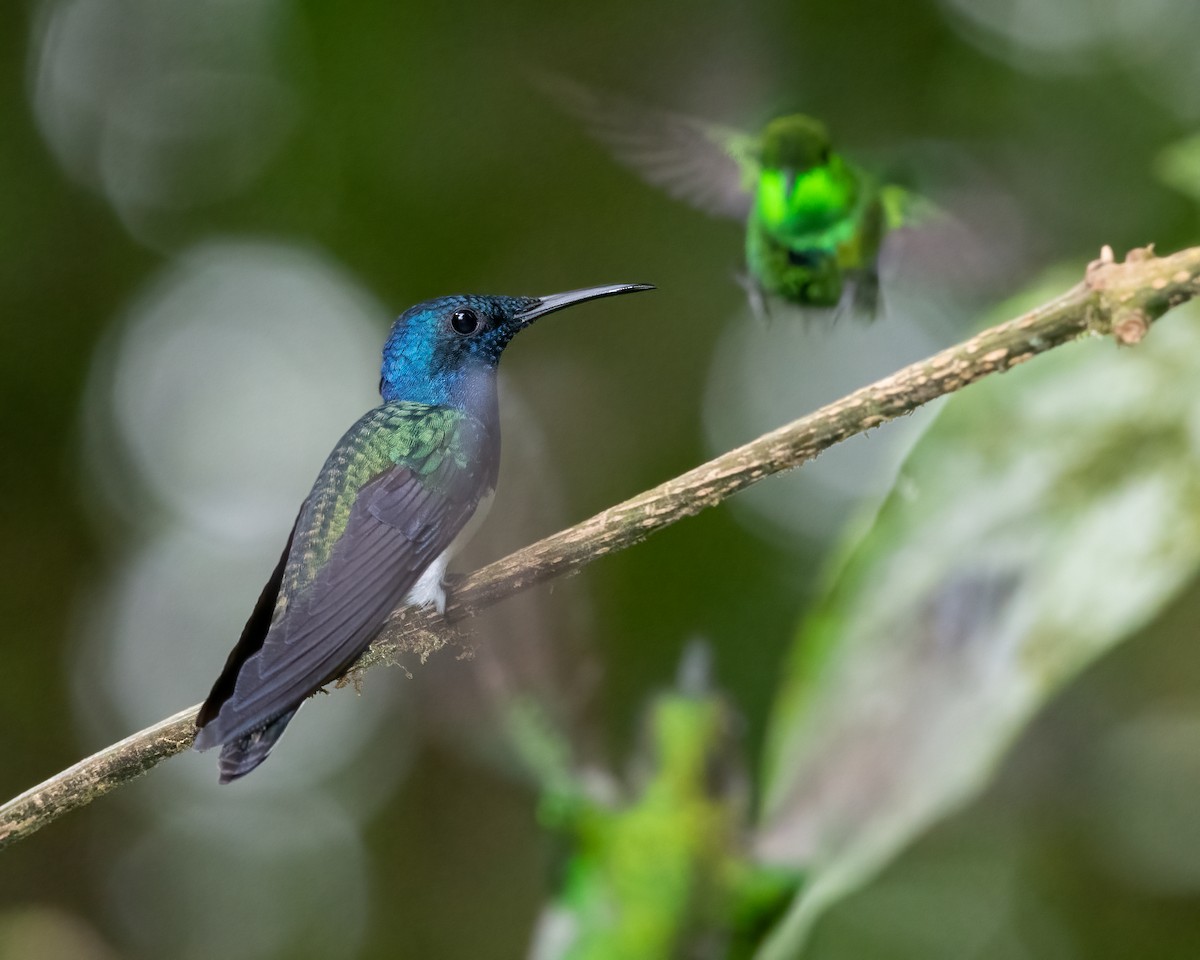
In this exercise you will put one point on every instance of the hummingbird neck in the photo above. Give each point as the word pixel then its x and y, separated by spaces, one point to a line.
pixel 470 387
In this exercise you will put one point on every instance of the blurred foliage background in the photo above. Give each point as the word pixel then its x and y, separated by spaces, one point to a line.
pixel 212 210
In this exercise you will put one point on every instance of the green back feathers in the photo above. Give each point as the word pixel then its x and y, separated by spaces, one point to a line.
pixel 421 437
pixel 414 435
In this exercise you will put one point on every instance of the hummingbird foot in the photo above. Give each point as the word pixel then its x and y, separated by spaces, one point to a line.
pixel 755 296
pixel 430 586
pixel 450 583
pixel 860 296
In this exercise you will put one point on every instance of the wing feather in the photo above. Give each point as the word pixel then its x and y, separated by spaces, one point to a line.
pixel 710 166
pixel 399 524
pixel 253 635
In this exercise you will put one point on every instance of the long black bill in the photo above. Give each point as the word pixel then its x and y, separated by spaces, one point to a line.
pixel 556 301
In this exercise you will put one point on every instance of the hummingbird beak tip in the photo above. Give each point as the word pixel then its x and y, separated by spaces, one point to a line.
pixel 558 301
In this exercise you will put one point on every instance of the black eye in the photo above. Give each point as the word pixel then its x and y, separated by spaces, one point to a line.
pixel 464 322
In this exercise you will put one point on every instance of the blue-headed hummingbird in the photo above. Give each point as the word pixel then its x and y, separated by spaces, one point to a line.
pixel 392 503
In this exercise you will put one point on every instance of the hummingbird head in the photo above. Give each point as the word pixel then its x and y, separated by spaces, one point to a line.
pixel 445 351
pixel 797 143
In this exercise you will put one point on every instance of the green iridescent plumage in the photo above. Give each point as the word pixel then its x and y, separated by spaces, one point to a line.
pixel 419 436
pixel 814 221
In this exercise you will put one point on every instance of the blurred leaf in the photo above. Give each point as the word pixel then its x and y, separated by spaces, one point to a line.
pixel 1043 517
pixel 48 933
pixel 1178 166
pixel 658 864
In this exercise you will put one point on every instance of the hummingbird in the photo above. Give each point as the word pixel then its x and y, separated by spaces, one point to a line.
pixel 399 494
pixel 814 221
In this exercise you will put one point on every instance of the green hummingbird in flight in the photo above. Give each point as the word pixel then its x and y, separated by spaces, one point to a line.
pixel 815 222
pixel 394 500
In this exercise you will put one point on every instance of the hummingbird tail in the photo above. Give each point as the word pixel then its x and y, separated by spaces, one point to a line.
pixel 240 756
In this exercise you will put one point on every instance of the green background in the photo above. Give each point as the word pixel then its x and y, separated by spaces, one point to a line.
pixel 401 146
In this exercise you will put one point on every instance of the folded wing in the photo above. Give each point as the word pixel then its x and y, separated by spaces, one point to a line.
pixel 399 523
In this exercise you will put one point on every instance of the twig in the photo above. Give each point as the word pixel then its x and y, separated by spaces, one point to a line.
pixel 1118 299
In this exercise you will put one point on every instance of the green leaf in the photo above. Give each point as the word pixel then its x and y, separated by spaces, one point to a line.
pixel 1044 516
pixel 1178 166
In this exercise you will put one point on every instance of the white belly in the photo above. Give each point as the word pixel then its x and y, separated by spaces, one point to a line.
pixel 428 589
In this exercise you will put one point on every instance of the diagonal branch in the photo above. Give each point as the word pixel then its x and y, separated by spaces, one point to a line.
pixel 1121 299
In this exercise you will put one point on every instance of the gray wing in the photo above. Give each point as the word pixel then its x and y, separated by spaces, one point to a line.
pixel 709 166
pixel 399 524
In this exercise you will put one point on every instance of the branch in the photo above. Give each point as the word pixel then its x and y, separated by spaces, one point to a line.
pixel 1118 299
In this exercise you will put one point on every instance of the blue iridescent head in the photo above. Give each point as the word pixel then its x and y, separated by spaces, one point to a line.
pixel 445 351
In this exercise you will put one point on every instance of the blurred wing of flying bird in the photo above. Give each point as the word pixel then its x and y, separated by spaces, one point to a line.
pixel 713 168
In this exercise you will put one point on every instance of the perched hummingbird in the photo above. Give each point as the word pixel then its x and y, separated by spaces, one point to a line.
pixel 814 221
pixel 392 503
